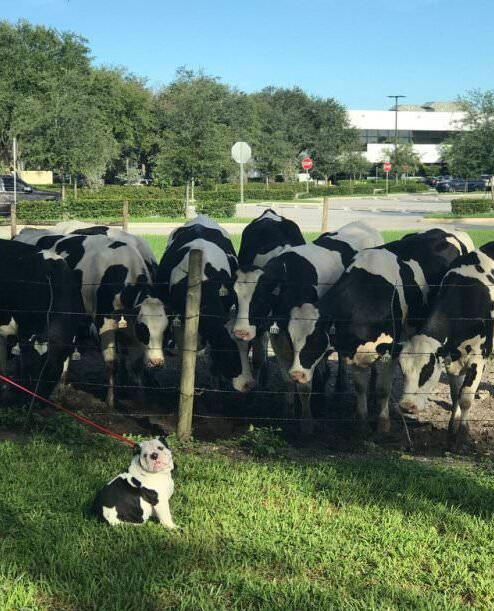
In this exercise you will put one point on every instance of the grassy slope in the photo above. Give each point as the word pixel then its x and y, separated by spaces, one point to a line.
pixel 281 534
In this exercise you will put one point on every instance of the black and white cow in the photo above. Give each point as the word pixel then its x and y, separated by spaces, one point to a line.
pixel 281 291
pixel 138 242
pixel 458 335
pixel 40 303
pixel 229 357
pixel 119 295
pixel 382 297
pixel 264 238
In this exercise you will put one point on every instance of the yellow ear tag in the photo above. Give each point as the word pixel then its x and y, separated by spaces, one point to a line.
pixel 177 322
pixel 122 323
pixel 16 350
pixel 223 291
pixel 76 355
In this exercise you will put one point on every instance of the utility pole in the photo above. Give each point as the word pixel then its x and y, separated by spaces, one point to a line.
pixel 396 98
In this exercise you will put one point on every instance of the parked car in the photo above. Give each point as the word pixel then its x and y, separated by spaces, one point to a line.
pixel 487 178
pixel 434 180
pixel 461 185
pixel 24 191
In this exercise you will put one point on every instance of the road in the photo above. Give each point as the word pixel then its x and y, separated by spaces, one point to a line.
pixel 405 212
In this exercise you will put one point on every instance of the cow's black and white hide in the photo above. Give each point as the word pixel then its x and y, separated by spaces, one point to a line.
pixel 264 238
pixel 457 335
pixel 119 295
pixel 229 357
pixel 278 296
pixel 141 492
pixel 40 303
pixel 382 297
pixel 138 242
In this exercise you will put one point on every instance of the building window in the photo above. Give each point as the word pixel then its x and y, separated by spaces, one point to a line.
pixel 429 137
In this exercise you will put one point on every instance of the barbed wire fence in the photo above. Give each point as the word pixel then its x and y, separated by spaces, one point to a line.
pixel 188 389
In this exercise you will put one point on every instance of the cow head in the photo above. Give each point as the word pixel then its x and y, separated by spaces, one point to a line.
pixel 230 358
pixel 255 292
pixel 146 313
pixel 310 338
pixel 421 363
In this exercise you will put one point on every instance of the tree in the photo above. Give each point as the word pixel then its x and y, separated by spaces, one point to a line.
pixel 470 152
pixel 194 136
pixel 404 160
pixel 354 164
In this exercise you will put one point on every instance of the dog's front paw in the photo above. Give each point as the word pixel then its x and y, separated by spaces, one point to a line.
pixel 171 526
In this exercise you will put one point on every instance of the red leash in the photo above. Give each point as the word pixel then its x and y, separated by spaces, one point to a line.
pixel 83 419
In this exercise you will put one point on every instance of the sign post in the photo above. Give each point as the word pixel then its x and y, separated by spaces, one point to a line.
pixel 241 153
pixel 307 165
pixel 13 206
pixel 387 169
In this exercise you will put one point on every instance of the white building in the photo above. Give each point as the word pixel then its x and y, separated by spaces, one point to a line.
pixel 426 127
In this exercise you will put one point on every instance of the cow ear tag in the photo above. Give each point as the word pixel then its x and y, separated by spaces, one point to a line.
pixel 274 329
pixel 332 330
pixel 76 355
pixel 122 323
pixel 176 322
pixel 223 292
pixel 16 350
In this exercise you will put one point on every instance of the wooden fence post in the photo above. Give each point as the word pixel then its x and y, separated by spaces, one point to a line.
pixel 189 350
pixel 325 214
pixel 125 215
pixel 13 220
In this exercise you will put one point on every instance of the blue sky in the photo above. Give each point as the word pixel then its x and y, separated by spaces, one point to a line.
pixel 357 51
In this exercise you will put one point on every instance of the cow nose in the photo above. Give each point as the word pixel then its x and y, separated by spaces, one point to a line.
pixel 154 456
pixel 249 385
pixel 156 362
pixel 408 407
pixel 241 334
pixel 298 376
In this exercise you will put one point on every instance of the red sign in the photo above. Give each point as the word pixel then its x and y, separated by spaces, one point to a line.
pixel 387 166
pixel 307 163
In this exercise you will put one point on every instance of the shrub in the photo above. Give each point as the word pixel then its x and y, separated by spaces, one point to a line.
pixel 216 208
pixel 470 206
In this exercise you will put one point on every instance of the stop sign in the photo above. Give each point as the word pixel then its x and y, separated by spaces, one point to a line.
pixel 387 166
pixel 307 163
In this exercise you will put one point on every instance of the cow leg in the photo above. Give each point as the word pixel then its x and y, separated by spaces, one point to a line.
pixel 458 424
pixel 384 379
pixel 341 381
pixel 284 355
pixel 361 377
pixel 108 334
pixel 307 422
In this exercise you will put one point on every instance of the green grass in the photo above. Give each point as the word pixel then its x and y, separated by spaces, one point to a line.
pixel 479 236
pixel 320 533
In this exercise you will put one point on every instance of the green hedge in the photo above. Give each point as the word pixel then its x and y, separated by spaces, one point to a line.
pixel 216 208
pixel 470 206
pixel 345 187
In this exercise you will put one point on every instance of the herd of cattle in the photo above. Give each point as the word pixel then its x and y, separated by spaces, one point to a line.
pixel 424 301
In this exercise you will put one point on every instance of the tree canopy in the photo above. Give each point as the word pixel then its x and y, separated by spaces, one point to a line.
pixel 75 118
pixel 471 152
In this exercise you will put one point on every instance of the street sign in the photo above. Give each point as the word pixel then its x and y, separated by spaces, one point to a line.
pixel 387 166
pixel 307 163
pixel 241 152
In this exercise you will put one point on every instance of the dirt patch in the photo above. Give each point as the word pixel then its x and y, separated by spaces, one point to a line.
pixel 221 413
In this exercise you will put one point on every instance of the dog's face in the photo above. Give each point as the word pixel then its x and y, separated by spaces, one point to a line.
pixel 155 455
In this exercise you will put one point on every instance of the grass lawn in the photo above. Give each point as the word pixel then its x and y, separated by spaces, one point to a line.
pixel 479 236
pixel 284 533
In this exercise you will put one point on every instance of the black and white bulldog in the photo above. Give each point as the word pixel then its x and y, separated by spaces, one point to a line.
pixel 141 492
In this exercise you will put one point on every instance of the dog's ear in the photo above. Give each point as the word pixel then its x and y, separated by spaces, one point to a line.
pixel 162 439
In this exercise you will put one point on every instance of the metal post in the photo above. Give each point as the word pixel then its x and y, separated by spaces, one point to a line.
pixel 75 187
pixel 63 191
pixel 187 200
pixel 325 215
pixel 13 207
pixel 307 181
pixel 241 183
pixel 125 215
pixel 387 176
pixel 189 355
pixel 396 98
pixel 192 187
